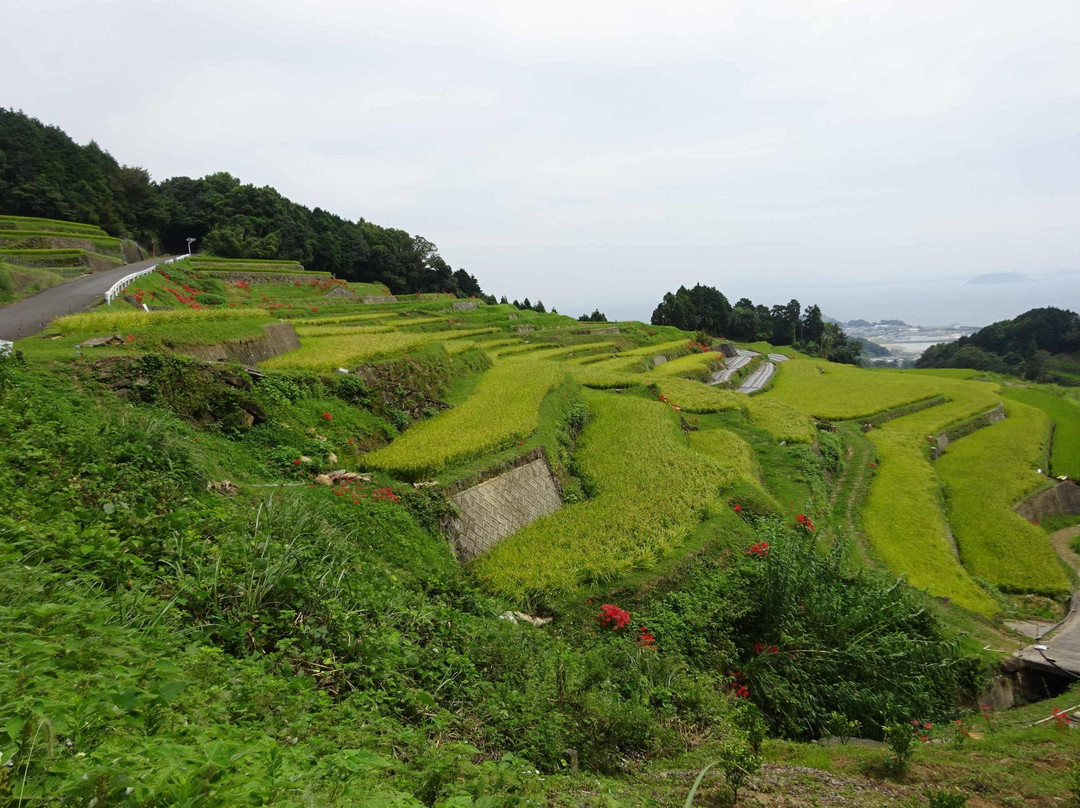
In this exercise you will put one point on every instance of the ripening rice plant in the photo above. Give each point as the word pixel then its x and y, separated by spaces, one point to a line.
pixel 731 452
pixel 692 396
pixel 779 420
pixel 985 474
pixel 1065 411
pixel 352 349
pixel 503 409
pixel 964 400
pixel 904 520
pixel 105 319
pixel 675 346
pixel 695 364
pixel 837 392
pixel 651 489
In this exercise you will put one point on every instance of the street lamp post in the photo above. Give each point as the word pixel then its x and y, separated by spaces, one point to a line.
pixel 189 246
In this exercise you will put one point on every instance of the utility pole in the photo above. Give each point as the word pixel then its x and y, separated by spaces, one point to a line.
pixel 189 246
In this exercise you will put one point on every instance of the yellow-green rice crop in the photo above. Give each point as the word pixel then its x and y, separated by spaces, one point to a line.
pixel 651 490
pixel 337 331
pixel 656 350
pixel 965 400
pixel 781 421
pixel 695 364
pixel 1065 411
pixel 984 474
pixel 106 319
pixel 694 396
pixel 731 452
pixel 503 409
pixel 566 351
pixel 905 523
pixel 349 350
pixel 601 378
pixel 834 391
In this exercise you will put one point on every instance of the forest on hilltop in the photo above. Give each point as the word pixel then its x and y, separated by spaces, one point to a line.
pixel 44 173
pixel 1023 346
pixel 705 308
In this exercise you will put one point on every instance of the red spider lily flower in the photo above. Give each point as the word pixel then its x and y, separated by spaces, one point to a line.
pixel 295 462
pixel 613 617
pixel 801 518
pixel 328 416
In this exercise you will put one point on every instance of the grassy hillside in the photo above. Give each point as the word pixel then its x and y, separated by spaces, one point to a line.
pixel 724 567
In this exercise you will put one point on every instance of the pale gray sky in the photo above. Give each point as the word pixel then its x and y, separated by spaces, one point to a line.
pixel 601 153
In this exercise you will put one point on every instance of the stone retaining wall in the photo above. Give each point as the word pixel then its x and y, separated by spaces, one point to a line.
pixel 503 504
pixel 277 339
pixel 1062 499
pixel 380 299
pixel 943 439
pixel 464 305
pixel 235 276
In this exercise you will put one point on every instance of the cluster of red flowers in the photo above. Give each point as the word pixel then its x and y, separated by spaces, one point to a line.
pixel 129 338
pixel 328 416
pixel 355 490
pixel 243 285
pixel 1062 719
pixel 737 687
pixel 735 506
pixel 696 347
pixel 761 549
pixel 761 648
pixel 645 638
pixel 613 617
pixel 919 727
pixel 804 520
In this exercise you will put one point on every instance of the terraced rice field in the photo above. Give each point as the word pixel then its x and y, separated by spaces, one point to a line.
pixel 651 490
pixel 840 392
pixel 984 475
pixel 1065 412
pixel 503 409
pixel 692 396
pixel 781 421
pixel 731 452
pixel 695 364
pixel 904 521
pixel 320 353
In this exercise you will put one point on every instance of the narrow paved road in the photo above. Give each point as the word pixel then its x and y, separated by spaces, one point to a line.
pixel 35 312
pixel 1059 651
pixel 759 378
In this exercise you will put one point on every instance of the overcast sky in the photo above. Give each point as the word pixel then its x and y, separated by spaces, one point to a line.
pixel 589 152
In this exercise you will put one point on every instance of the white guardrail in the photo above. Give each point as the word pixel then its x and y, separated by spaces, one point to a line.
pixel 122 284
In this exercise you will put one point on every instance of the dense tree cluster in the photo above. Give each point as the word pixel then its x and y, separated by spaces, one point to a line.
pixel 1022 346
pixel 596 317
pixel 43 172
pixel 705 308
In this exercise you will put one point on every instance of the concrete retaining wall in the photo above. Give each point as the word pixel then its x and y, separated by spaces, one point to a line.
pixel 501 505
pixel 1062 499
pixel 277 339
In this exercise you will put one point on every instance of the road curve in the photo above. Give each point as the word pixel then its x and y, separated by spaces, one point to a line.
pixel 1059 651
pixel 759 378
pixel 31 315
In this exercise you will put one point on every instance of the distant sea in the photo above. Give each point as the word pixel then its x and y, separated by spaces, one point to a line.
pixel 945 301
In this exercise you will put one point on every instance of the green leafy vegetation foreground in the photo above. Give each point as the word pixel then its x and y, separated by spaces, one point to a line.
pixel 163 643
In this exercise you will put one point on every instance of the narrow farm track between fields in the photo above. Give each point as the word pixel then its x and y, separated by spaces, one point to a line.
pixel 31 315
pixel 1060 541
pixel 850 490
